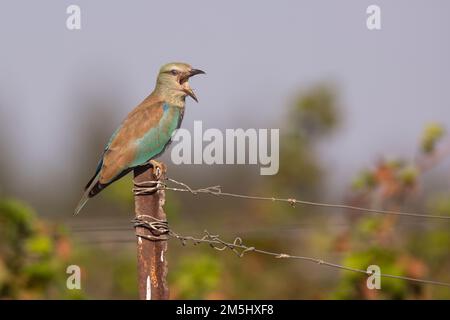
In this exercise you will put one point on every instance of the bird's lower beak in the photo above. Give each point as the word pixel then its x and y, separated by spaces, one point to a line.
pixel 190 93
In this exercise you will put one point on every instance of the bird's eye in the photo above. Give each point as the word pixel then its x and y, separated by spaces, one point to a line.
pixel 174 72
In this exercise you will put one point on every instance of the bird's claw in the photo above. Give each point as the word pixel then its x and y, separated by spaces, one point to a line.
pixel 158 168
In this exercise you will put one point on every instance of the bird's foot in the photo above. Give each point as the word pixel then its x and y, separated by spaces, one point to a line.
pixel 149 187
pixel 158 168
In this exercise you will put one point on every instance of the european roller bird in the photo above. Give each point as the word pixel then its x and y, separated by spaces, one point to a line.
pixel 146 131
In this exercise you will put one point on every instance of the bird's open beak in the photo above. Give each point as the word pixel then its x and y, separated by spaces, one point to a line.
pixel 187 88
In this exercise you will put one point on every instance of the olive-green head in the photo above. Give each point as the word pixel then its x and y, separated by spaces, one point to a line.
pixel 174 77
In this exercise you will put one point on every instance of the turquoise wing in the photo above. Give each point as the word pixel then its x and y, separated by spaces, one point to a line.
pixel 144 135
pixel 156 140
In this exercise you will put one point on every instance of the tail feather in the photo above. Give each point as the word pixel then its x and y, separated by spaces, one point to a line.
pixel 94 187
pixel 87 194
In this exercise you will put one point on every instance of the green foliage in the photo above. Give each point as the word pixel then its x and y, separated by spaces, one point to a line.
pixel 16 219
pixel 434 246
pixel 315 112
pixel 196 276
pixel 30 265
pixel 440 204
pixel 408 175
pixel 353 284
pixel 431 135
pixel 312 116
pixel 375 240
pixel 364 181
pixel 39 245
pixel 368 226
pixel 120 191
pixel 125 276
pixel 108 271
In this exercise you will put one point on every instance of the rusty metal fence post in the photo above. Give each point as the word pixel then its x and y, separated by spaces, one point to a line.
pixel 151 254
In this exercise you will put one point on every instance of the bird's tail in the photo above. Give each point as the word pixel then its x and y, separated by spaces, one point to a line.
pixel 86 194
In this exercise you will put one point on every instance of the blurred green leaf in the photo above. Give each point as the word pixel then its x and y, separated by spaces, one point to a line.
pixel 39 244
pixel 196 276
pixel 431 135
pixel 364 180
pixel 120 191
pixel 408 175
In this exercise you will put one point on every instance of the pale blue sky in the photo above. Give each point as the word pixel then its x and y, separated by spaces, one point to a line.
pixel 257 54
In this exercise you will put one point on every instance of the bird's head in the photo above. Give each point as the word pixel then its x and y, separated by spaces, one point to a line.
pixel 174 77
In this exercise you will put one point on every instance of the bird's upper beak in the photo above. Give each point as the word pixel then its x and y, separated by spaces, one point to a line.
pixel 193 72
pixel 184 82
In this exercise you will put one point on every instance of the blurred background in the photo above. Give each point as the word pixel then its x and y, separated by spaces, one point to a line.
pixel 362 117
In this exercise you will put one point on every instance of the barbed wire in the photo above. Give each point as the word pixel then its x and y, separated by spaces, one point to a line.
pixel 149 187
pixel 160 231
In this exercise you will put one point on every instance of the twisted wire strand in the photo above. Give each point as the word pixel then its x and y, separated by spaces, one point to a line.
pixel 149 187
pixel 238 247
